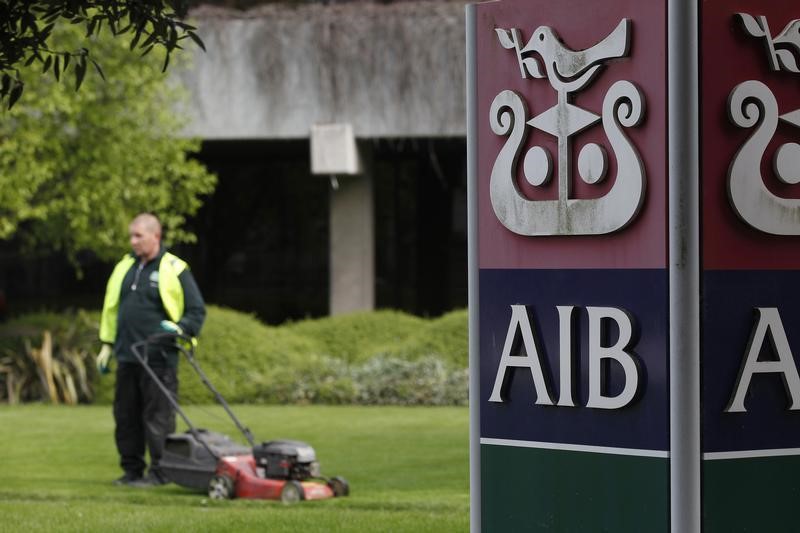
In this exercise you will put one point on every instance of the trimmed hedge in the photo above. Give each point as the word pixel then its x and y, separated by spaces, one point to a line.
pixel 369 358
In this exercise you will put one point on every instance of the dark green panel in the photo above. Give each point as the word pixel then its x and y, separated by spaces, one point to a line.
pixel 759 495
pixel 526 489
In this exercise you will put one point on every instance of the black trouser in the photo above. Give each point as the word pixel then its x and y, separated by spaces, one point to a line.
pixel 143 415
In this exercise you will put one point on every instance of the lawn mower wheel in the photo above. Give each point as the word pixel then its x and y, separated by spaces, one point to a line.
pixel 292 492
pixel 221 487
pixel 339 486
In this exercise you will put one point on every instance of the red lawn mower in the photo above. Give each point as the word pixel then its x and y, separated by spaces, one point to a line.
pixel 202 460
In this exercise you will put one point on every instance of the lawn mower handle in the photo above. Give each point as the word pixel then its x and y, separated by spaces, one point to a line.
pixel 184 344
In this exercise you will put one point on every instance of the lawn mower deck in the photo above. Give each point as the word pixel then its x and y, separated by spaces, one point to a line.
pixel 190 459
pixel 239 476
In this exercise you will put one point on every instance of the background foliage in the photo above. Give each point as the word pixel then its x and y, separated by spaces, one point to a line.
pixel 26 31
pixel 371 358
pixel 75 167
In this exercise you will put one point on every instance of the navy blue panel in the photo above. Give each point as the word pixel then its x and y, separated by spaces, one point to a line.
pixel 642 293
pixel 729 302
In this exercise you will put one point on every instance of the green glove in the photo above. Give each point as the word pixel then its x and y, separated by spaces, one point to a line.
pixel 103 358
pixel 172 327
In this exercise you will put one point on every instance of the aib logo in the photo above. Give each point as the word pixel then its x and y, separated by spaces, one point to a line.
pixel 544 56
pixel 753 105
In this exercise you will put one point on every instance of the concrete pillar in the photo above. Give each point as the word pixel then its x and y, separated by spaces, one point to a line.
pixel 352 242
pixel 335 153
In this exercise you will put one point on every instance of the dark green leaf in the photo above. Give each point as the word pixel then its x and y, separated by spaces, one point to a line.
pixel 166 63
pixel 80 72
pixel 57 68
pixel 47 63
pixel 67 57
pixel 91 27
pixel 160 27
pixel 52 18
pixel 45 33
pixel 150 40
pixel 28 21
pixel 5 84
pixel 135 39
pixel 30 60
pixel 147 50
pixel 99 70
pixel 197 40
pixel 16 92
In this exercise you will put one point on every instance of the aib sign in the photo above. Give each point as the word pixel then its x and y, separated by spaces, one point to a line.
pixel 543 58
pixel 570 195
pixel 573 330
pixel 753 105
pixel 751 383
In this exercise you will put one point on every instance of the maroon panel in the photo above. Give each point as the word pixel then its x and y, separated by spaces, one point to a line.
pixel 643 244
pixel 730 56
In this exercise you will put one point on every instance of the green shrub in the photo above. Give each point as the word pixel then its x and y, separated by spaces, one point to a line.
pixel 381 380
pixel 444 338
pixel 426 381
pixel 356 337
pixel 234 349
pixel 371 358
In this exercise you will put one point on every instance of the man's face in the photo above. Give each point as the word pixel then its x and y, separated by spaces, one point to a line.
pixel 144 241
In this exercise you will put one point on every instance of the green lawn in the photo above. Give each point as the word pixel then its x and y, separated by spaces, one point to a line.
pixel 407 467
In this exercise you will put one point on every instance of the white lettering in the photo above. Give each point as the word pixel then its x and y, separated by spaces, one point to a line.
pixel 598 352
pixel 528 354
pixel 530 359
pixel 768 321
pixel 565 355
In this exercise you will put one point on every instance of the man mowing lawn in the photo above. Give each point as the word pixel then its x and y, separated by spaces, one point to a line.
pixel 150 290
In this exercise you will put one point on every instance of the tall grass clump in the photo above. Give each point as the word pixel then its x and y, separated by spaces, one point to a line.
pixel 47 357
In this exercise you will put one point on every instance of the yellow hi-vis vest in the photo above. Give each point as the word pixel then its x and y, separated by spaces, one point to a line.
pixel 169 288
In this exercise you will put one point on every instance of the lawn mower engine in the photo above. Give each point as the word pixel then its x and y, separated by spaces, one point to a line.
pixel 286 459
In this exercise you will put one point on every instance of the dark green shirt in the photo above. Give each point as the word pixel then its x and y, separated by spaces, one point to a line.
pixel 141 312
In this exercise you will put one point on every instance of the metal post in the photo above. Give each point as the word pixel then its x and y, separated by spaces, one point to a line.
pixel 684 265
pixel 472 251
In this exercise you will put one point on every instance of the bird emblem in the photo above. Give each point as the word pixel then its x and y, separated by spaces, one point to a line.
pixel 567 70
pixel 783 50
pixel 545 56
